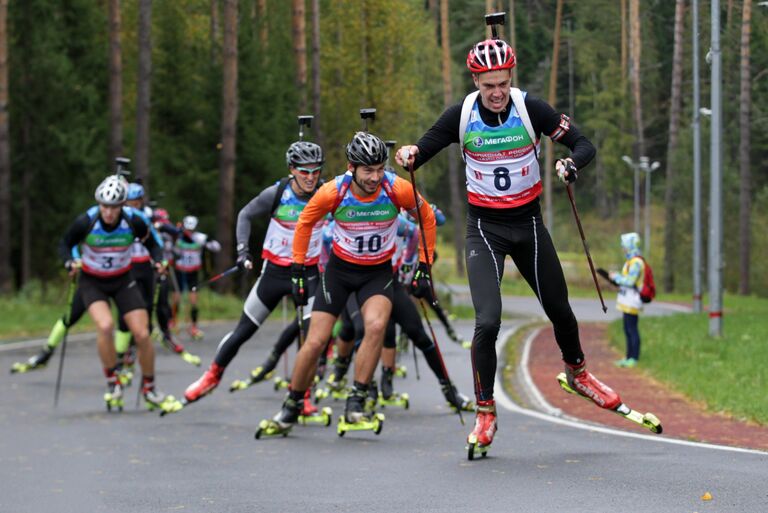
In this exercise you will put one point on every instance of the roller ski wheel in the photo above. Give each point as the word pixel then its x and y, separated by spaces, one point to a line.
pixel 395 400
pixel 176 407
pixel 374 423
pixel 125 377
pixel 647 420
pixel 321 393
pixel 113 398
pixel 322 417
pixel 401 371
pixel 36 362
pixel 476 449
pixel 281 384
pixel 190 358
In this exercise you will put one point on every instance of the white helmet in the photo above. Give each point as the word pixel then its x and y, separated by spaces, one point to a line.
pixel 112 191
pixel 189 223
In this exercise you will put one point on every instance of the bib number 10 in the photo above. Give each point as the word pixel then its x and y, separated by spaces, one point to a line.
pixel 374 243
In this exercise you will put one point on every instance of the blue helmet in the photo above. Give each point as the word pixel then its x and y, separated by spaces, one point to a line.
pixel 135 191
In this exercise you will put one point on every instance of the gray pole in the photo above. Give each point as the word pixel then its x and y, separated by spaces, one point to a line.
pixel 715 264
pixel 636 169
pixel 647 170
pixel 697 307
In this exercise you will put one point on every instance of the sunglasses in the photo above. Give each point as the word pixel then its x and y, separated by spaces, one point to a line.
pixel 308 170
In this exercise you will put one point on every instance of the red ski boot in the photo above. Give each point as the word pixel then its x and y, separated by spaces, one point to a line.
pixel 481 437
pixel 582 381
pixel 206 384
pixel 308 409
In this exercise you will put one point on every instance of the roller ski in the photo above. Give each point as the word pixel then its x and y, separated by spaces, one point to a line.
pixel 456 400
pixel 387 395
pixel 179 349
pixel 125 375
pixel 158 401
pixel 311 415
pixel 466 344
pixel 36 362
pixel 593 390
pixel 481 437
pixel 356 418
pixel 282 423
pixel 401 371
pixel 113 398
pixel 336 388
pixel 257 376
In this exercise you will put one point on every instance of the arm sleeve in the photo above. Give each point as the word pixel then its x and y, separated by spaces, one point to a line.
pixel 632 275
pixel 73 236
pixel 258 207
pixel 558 127
pixel 321 203
pixel 403 191
pixel 444 132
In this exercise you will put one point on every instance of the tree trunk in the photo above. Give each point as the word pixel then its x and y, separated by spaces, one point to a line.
pixel 316 84
pixel 225 211
pixel 143 91
pixel 454 175
pixel 6 271
pixel 115 83
pixel 300 51
pixel 215 31
pixel 624 52
pixel 549 158
pixel 675 106
pixel 261 7
pixel 745 185
pixel 27 180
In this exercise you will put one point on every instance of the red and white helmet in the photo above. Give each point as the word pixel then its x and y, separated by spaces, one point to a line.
pixel 491 55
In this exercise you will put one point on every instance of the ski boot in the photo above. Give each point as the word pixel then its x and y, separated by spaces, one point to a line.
pixel 455 399
pixel 311 415
pixel 335 384
pixel 257 376
pixel 195 332
pixel 593 390
pixel 356 418
pixel 114 396
pixel 38 361
pixel 466 344
pixel 481 437
pixel 282 423
pixel 387 395
pixel 158 400
pixel 205 384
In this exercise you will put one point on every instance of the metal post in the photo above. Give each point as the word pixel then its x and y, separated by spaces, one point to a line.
pixel 697 307
pixel 647 170
pixel 715 264
pixel 637 197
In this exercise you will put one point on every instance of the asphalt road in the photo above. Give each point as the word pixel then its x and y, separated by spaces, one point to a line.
pixel 79 458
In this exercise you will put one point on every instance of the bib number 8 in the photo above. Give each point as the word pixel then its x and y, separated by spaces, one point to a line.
pixel 374 243
pixel 501 179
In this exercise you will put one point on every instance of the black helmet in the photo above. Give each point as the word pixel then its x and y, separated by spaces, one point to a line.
pixel 366 149
pixel 303 153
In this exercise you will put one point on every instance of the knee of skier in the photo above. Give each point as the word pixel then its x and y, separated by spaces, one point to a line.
pixel 105 327
pixel 376 327
pixel 487 327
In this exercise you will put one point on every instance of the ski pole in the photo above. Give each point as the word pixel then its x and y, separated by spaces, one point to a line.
pixel 586 247
pixel 67 316
pixel 211 281
pixel 415 362
pixel 429 271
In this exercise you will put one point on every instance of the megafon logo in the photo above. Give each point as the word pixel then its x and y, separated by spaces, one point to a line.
pixel 500 140
pixel 478 142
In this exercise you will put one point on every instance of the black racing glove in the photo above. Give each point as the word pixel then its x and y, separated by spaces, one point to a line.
pixel 244 260
pixel 566 171
pixel 298 284
pixel 420 284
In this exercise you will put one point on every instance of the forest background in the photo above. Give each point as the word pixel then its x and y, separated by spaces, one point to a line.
pixel 203 96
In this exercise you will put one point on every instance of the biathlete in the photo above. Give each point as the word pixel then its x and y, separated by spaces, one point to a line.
pixel 504 215
pixel 284 201
pixel 99 243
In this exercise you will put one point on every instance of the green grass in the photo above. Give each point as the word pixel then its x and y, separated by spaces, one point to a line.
pixel 729 374
pixel 33 311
